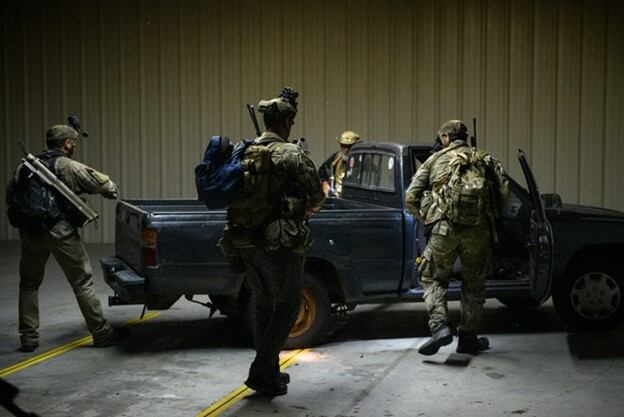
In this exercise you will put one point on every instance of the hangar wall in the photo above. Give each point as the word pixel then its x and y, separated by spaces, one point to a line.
pixel 152 80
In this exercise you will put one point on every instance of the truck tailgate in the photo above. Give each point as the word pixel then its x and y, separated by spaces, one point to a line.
pixel 128 223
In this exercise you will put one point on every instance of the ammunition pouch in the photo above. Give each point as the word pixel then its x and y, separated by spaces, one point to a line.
pixel 291 234
pixel 230 251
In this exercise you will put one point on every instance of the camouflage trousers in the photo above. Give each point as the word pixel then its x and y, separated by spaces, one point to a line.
pixel 72 257
pixel 447 242
pixel 274 278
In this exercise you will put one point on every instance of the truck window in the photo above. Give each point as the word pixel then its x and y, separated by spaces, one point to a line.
pixel 418 157
pixel 372 171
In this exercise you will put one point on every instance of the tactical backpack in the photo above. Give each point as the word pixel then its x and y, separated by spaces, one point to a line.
pixel 33 206
pixel 219 175
pixel 467 191
pixel 236 177
pixel 253 205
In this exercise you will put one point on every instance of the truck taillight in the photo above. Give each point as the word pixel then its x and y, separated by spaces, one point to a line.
pixel 149 238
pixel 150 257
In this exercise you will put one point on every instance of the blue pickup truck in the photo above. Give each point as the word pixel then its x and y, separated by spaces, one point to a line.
pixel 365 250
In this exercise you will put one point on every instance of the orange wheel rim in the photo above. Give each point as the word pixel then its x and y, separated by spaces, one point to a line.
pixel 306 316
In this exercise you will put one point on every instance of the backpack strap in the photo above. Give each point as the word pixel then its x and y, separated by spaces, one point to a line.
pixel 49 159
pixel 337 159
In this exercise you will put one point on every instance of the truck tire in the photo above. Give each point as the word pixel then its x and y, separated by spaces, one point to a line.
pixel 312 323
pixel 590 296
pixel 314 317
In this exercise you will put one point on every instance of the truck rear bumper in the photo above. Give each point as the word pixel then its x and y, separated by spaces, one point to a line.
pixel 128 285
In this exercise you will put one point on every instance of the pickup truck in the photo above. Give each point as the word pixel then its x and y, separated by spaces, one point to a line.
pixel 365 249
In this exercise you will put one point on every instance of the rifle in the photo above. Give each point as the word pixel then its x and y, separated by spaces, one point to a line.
pixel 254 119
pixel 8 393
pixel 84 213
pixel 473 138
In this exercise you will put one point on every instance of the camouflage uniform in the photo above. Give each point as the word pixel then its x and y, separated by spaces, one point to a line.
pixel 449 240
pixel 273 252
pixel 333 169
pixel 64 243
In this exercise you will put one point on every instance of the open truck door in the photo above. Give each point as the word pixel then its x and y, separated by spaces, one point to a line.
pixel 540 240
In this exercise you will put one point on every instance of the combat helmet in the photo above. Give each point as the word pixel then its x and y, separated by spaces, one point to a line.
pixel 285 105
pixel 456 129
pixel 61 132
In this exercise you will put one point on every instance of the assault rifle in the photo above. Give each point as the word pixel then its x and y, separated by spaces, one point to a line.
pixel 473 138
pixel 84 213
pixel 254 119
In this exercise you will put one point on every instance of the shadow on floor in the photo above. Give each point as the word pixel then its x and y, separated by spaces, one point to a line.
pixel 378 322
pixel 384 323
pixel 166 335
pixel 608 345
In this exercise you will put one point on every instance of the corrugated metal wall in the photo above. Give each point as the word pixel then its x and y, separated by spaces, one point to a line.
pixel 153 80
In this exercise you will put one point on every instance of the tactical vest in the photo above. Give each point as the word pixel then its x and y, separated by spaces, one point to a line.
pixel 254 204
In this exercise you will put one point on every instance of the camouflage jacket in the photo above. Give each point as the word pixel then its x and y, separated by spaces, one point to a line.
pixel 422 198
pixel 295 182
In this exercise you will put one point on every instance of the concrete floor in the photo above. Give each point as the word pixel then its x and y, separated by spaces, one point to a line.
pixel 180 363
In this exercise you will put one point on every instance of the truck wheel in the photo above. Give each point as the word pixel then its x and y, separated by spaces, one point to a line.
pixel 591 296
pixel 313 320
pixel 314 316
pixel 519 303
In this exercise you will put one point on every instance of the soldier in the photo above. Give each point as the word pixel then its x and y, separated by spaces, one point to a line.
pixel 332 170
pixel 267 228
pixel 458 224
pixel 62 241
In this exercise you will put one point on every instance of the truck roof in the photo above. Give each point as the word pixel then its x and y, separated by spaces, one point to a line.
pixel 391 146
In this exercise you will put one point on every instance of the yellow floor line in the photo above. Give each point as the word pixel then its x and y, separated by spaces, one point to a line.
pixel 63 349
pixel 241 392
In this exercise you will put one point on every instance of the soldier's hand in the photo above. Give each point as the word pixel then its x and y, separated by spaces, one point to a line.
pixel 112 193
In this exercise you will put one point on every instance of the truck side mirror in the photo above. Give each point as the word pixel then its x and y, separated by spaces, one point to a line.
pixel 552 200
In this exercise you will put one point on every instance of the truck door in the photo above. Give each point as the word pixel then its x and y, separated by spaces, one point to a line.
pixel 540 240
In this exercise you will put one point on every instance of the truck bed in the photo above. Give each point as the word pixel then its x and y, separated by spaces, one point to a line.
pixel 188 257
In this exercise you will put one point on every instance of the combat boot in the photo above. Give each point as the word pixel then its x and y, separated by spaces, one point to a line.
pixel 268 388
pixel 113 337
pixel 284 378
pixel 29 347
pixel 470 343
pixel 439 338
